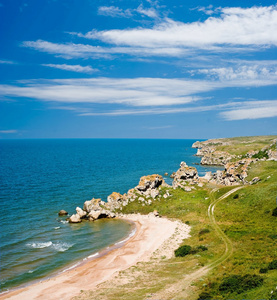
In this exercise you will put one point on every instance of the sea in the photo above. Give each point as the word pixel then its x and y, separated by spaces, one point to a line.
pixel 39 177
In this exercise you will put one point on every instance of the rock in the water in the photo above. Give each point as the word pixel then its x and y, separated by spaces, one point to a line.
pixel 63 213
pixel 75 219
pixel 81 212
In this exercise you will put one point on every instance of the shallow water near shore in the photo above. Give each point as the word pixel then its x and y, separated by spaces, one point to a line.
pixel 40 177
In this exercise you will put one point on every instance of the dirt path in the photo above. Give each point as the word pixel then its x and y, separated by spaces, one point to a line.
pixel 185 284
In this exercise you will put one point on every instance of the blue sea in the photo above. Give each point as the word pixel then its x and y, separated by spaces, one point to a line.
pixel 40 177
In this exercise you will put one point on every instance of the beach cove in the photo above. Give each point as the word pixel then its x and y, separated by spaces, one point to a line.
pixel 154 237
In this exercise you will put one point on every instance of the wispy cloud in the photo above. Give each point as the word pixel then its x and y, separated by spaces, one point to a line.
pixel 135 92
pixel 235 26
pixel 241 73
pixel 114 11
pixel 8 131
pixel 73 68
pixel 7 62
pixel 70 50
pixel 251 110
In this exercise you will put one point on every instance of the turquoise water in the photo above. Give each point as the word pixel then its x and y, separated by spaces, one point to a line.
pixel 40 177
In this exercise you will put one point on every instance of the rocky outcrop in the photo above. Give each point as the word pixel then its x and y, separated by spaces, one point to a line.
pixel 217 158
pixel 92 210
pixel 234 173
pixel 184 176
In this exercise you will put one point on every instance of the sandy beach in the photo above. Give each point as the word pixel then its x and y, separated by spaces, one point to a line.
pixel 154 237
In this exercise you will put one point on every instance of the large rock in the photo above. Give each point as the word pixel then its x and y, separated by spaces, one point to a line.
pixel 93 204
pixel 75 219
pixel 63 213
pixel 81 212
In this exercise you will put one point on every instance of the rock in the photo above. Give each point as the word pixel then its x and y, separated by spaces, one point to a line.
pixel 184 175
pixel 115 200
pixel 172 175
pixel 81 212
pixel 155 213
pixel 63 213
pixel 94 215
pixel 208 176
pixel 255 180
pixel 187 188
pixel 75 219
pixel 154 193
pixel 165 174
pixel 197 144
pixel 200 184
pixel 92 204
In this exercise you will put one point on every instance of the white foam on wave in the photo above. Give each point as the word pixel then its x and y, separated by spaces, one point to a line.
pixel 61 247
pixel 63 221
pixel 40 245
pixel 128 237
pixel 57 227
pixel 93 255
pixel 72 267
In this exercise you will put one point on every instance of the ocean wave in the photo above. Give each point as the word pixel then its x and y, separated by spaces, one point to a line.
pixel 93 255
pixel 128 237
pixel 61 247
pixel 63 221
pixel 40 245
pixel 57 227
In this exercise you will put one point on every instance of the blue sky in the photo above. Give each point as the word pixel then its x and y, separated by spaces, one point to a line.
pixel 137 69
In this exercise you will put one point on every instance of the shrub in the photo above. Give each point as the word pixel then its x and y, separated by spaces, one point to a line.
pixel 205 296
pixel 182 251
pixel 273 296
pixel 236 196
pixel 274 212
pixel 272 265
pixel 263 270
pixel 261 154
pixel 203 231
pixel 239 284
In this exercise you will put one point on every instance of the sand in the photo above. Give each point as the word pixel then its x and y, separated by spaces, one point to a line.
pixel 154 237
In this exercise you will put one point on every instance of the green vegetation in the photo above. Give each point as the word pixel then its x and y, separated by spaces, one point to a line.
pixel 261 154
pixel 182 251
pixel 246 219
pixel 273 265
pixel 239 284
pixel 186 249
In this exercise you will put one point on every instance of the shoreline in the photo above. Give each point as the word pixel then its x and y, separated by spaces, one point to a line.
pixel 153 237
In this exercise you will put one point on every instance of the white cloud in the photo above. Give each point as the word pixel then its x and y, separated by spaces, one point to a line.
pixel 71 50
pixel 136 92
pixel 74 68
pixel 149 12
pixel 8 131
pixel 131 92
pixel 7 62
pixel 252 110
pixel 235 26
pixel 247 72
pixel 113 11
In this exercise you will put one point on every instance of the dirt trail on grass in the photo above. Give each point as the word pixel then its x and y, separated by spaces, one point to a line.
pixel 184 286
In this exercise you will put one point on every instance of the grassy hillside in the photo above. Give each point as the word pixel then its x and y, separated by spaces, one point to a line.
pixel 240 237
pixel 241 145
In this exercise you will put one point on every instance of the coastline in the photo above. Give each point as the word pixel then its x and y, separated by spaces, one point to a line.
pixel 154 237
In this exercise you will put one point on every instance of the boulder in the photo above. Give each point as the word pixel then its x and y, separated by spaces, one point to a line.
pixel 81 212
pixel 63 213
pixel 75 219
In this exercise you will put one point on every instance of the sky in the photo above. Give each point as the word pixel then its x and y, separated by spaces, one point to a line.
pixel 168 69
